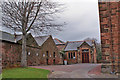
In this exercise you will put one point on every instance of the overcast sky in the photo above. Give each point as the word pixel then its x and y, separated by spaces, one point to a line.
pixel 82 20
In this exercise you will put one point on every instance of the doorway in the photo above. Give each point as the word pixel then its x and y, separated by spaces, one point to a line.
pixel 54 61
pixel 47 56
pixel 47 61
pixel 85 57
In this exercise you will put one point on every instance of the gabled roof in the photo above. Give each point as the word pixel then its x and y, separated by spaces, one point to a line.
pixel 7 36
pixel 57 41
pixel 18 37
pixel 89 42
pixel 41 39
pixel 73 45
pixel 11 38
pixel 70 46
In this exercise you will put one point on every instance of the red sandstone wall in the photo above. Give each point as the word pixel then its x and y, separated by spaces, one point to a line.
pixel 71 60
pixel 110 32
pixel 11 54
pixel 61 47
pixel 78 55
pixel 50 46
pixel 119 41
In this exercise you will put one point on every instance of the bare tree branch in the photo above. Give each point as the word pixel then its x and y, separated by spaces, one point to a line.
pixel 26 16
pixel 38 8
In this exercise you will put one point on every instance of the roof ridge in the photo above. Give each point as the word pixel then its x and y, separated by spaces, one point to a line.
pixel 42 36
pixel 59 40
pixel 7 33
pixel 41 39
pixel 75 41
pixel 88 40
pixel 79 41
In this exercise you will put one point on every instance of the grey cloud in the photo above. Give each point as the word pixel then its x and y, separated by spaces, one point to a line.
pixel 83 21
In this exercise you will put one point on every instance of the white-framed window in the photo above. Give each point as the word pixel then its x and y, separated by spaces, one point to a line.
pixel 74 57
pixel 37 54
pixel 43 55
pixel 28 53
pixel 50 55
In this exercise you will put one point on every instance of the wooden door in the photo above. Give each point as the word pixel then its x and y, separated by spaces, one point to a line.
pixel 85 57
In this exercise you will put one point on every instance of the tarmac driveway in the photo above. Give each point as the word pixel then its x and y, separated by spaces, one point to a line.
pixel 69 71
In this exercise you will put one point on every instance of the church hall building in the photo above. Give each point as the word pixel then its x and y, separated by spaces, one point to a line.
pixel 80 52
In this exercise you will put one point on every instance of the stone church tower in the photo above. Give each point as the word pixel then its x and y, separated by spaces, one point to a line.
pixel 109 13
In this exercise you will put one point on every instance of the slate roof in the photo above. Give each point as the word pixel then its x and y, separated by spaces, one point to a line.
pixel 89 42
pixel 73 45
pixel 11 38
pixel 18 37
pixel 7 36
pixel 57 41
pixel 41 39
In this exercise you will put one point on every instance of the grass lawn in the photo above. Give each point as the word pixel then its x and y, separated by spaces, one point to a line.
pixel 25 73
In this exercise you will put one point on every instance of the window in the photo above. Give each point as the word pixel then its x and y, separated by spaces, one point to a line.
pixel 50 55
pixel 47 54
pixel 74 55
pixel 85 50
pixel 69 55
pixel 37 54
pixel 43 55
pixel 28 53
pixel 54 54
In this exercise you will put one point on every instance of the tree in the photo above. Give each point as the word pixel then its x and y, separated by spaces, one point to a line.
pixel 91 39
pixel 26 16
